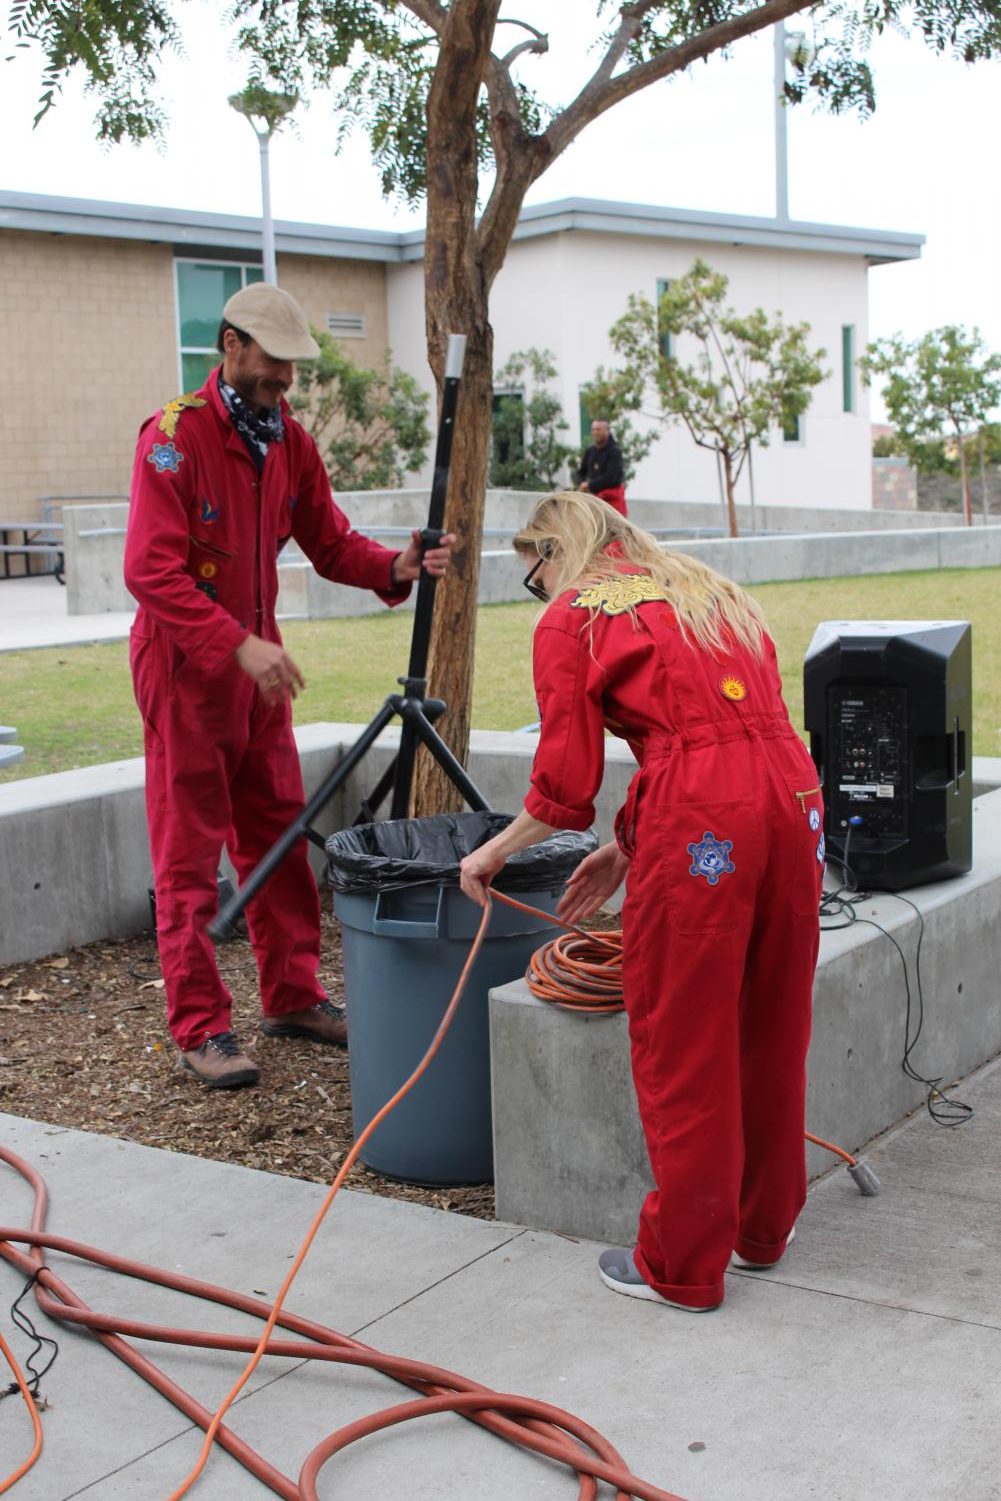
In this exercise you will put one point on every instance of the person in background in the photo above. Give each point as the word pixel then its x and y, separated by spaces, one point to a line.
pixel 600 470
pixel 223 477
pixel 720 843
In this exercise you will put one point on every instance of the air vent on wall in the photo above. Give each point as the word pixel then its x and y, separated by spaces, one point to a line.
pixel 346 325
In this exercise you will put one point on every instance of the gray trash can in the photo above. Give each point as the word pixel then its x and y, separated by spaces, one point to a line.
pixel 407 930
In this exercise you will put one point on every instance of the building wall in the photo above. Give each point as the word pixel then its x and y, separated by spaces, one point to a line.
pixel 564 292
pixel 87 329
pixel 89 332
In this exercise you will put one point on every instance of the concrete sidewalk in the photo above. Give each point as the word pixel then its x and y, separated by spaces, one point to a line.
pixel 866 1367
pixel 33 613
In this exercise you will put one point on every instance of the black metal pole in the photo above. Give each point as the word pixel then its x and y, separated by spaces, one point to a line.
pixel 415 683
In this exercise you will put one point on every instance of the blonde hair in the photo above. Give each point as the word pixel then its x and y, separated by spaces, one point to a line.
pixel 576 530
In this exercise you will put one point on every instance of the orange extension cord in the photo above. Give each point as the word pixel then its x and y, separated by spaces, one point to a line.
pixel 535 1425
pixel 582 971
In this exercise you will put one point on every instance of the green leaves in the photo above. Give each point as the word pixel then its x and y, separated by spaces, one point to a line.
pixel 944 379
pixel 527 451
pixel 370 425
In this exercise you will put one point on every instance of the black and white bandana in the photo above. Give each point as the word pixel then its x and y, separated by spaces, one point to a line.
pixel 257 429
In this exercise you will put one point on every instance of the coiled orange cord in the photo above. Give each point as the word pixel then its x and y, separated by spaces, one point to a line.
pixel 582 971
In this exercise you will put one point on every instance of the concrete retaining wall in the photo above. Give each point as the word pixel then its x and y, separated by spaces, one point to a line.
pixel 850 542
pixel 568 1150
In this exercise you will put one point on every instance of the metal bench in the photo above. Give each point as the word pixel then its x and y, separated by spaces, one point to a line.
pixel 37 539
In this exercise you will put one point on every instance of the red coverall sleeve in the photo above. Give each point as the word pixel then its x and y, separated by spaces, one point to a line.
pixel 570 760
pixel 156 551
pixel 326 536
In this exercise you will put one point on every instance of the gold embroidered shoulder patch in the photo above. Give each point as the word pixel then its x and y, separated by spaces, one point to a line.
pixel 173 410
pixel 617 595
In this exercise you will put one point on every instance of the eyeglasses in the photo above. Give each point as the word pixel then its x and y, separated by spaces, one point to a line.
pixel 537 589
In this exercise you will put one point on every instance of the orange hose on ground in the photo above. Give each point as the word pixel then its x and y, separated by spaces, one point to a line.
pixel 535 1425
pixel 22 1469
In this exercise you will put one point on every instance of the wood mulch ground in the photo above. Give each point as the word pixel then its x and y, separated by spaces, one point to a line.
pixel 83 1043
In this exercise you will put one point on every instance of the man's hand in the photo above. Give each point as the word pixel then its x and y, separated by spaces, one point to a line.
pixel 592 883
pixel 272 669
pixel 584 487
pixel 407 565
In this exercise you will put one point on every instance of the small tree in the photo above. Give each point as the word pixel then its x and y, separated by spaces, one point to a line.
pixel 945 379
pixel 370 425
pixel 749 374
pixel 527 452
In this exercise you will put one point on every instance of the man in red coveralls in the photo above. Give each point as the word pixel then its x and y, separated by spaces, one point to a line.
pixel 222 479
pixel 721 845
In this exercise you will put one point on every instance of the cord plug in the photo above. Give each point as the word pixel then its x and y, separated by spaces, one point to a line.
pixel 864 1178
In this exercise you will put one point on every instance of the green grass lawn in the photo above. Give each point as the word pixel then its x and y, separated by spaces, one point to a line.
pixel 73 706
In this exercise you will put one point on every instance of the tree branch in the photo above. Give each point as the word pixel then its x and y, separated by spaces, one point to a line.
pixel 603 91
pixel 430 12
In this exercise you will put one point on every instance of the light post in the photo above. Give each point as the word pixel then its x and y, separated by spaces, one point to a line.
pixel 790 47
pixel 266 110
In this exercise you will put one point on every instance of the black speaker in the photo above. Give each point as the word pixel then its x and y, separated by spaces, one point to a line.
pixel 888 704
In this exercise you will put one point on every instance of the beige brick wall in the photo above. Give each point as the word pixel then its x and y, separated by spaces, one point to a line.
pixel 89 341
pixel 87 330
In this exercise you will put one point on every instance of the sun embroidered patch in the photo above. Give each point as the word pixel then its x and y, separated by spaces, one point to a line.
pixel 732 688
pixel 710 858
pixel 173 411
pixel 165 458
pixel 208 570
pixel 617 595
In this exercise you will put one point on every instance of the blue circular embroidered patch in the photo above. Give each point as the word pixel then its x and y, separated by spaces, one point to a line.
pixel 821 850
pixel 165 457
pixel 814 819
pixel 710 858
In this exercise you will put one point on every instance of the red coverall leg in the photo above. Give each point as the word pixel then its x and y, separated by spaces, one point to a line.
pixel 221 768
pixel 719 1000
pixel 615 497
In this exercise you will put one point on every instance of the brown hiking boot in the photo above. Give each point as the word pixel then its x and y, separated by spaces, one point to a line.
pixel 221 1063
pixel 321 1023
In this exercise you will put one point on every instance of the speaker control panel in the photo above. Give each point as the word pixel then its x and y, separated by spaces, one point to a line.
pixel 867 769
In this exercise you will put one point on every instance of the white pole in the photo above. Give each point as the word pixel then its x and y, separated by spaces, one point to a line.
pixel 781 127
pixel 270 265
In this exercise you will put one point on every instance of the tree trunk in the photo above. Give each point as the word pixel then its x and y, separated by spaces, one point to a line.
pixel 456 291
pixel 964 480
pixel 731 505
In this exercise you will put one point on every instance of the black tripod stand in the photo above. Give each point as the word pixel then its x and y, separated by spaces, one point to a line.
pixel 417 712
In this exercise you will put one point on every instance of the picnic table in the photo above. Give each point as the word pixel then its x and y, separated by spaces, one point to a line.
pixel 28 539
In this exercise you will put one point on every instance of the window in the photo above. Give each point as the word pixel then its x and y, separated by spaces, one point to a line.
pixel 792 429
pixel 203 289
pixel 848 367
pixel 663 337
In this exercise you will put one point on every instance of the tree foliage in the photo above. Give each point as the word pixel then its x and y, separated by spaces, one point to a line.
pixel 946 380
pixel 370 425
pixel 747 375
pixel 527 451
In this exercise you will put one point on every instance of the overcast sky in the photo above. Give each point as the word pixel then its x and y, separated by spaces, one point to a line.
pixel 926 163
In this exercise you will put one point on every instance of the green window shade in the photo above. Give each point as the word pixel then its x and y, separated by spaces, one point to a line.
pixel 791 431
pixel 195 369
pixel 848 367
pixel 202 293
pixel 663 337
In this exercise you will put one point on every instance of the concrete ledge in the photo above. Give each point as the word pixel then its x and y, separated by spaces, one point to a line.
pixel 568 1150
pixel 74 852
pixel 95 546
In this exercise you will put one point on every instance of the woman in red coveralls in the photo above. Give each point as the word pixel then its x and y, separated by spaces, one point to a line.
pixel 721 837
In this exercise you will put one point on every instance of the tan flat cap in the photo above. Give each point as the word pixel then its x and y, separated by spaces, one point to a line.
pixel 274 319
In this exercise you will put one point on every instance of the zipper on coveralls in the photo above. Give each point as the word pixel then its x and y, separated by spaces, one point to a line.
pixel 810 792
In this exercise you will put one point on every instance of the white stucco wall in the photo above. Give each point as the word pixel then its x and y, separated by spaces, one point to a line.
pixel 564 291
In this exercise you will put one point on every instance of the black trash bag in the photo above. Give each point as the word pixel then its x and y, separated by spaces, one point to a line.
pixel 418 851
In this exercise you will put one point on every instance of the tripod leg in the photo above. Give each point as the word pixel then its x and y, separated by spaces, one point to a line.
pixel 231 911
pixel 452 768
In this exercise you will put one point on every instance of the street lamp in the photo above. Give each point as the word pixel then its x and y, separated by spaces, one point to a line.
pixel 790 47
pixel 266 110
